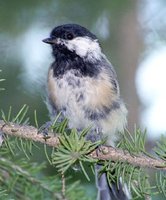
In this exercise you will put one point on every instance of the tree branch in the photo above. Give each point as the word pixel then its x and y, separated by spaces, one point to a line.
pixel 27 132
pixel 106 153
pixel 110 153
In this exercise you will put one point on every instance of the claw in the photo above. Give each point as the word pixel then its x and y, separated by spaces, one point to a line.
pixel 44 129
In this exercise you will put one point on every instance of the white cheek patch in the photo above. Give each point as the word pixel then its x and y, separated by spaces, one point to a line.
pixel 84 46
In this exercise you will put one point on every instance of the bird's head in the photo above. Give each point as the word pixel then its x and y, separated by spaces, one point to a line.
pixel 74 39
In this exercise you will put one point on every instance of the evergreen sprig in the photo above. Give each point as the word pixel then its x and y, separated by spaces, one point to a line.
pixel 19 118
pixel 134 143
pixel 16 144
pixel 73 150
pixel 20 180
pixel 137 178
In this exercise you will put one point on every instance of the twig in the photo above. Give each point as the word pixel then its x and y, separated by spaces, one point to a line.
pixel 106 153
pixel 63 186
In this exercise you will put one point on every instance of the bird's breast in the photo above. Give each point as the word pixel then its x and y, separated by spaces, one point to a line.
pixel 82 99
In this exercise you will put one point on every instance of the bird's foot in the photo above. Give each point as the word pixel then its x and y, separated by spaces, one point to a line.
pixel 44 129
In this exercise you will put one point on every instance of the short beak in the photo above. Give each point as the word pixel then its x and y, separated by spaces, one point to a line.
pixel 49 40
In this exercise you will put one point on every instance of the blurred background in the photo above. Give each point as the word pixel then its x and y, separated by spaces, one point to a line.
pixel 132 35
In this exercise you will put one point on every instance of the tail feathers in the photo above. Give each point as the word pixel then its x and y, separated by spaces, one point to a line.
pixel 103 188
pixel 113 192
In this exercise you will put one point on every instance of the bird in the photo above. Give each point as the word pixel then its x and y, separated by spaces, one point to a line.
pixel 82 85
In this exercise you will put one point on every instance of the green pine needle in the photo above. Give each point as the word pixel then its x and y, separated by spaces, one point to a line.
pixel 1 89
pixel 3 194
pixel 47 156
pixel 21 114
pixel 36 120
pixel 160 148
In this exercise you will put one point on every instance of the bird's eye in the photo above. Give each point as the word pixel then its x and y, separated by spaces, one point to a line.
pixel 69 36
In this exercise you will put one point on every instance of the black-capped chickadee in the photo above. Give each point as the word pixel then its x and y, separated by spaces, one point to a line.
pixel 83 86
